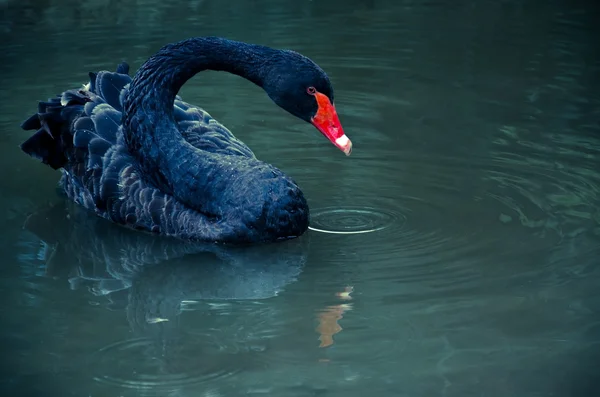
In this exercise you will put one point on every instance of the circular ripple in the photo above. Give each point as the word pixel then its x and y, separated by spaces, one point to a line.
pixel 353 220
pixel 142 363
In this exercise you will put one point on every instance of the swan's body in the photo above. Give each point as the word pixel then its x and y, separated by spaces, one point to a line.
pixel 135 153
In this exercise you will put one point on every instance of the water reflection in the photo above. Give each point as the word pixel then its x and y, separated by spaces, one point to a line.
pixel 154 280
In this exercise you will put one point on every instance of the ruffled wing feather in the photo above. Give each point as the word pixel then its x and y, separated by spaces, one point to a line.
pixel 80 132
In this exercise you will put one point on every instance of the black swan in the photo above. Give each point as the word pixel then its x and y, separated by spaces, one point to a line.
pixel 135 153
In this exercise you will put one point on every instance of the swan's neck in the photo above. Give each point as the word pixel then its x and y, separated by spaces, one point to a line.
pixel 161 77
pixel 149 127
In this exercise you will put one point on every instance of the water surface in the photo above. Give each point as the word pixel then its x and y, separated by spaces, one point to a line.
pixel 476 165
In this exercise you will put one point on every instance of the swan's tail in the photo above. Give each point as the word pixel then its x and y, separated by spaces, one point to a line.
pixel 53 137
pixel 57 120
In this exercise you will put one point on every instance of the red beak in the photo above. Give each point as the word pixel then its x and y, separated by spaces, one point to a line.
pixel 327 121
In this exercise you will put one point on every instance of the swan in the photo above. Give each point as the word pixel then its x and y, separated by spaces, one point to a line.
pixel 133 152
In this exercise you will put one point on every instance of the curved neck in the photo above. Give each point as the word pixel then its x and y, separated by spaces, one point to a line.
pixel 149 127
pixel 161 77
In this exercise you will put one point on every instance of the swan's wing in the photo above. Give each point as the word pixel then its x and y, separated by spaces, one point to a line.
pixel 101 160
pixel 79 131
pixel 206 133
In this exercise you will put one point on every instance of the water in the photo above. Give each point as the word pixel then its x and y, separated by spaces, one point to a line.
pixel 455 253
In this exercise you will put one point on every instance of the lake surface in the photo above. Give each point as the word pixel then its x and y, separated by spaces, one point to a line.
pixel 476 169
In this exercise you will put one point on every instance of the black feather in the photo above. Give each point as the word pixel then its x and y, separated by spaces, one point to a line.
pixel 99 146
pixel 92 81
pixel 123 68
pixel 44 147
pixel 107 121
pixel 32 123
pixel 82 137
pixel 109 85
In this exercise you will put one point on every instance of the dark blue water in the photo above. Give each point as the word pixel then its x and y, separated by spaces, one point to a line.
pixel 474 183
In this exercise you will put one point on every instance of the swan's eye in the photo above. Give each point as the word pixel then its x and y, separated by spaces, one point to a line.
pixel 311 90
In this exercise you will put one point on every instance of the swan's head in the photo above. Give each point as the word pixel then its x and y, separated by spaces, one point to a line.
pixel 301 87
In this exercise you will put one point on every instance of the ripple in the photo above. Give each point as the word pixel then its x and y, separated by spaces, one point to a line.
pixel 241 324
pixel 141 363
pixel 353 220
pixel 411 227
